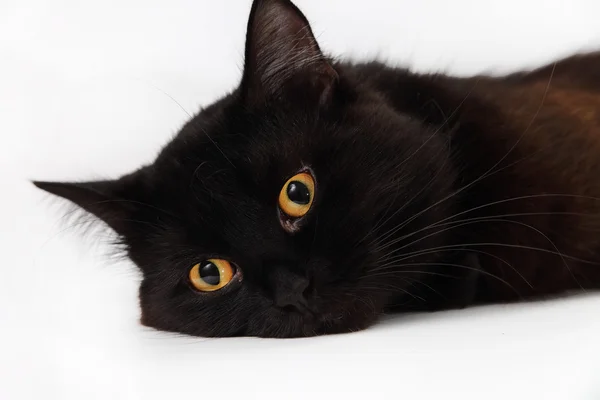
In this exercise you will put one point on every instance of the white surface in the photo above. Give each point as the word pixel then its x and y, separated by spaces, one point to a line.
pixel 81 96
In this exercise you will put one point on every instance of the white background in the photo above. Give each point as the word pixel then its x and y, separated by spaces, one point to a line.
pixel 83 94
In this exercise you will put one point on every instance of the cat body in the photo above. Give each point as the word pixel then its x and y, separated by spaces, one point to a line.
pixel 319 194
pixel 541 135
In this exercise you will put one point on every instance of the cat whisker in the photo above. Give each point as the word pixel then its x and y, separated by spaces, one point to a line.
pixel 512 222
pixel 428 287
pixel 461 266
pixel 203 163
pixel 542 195
pixel 438 129
pixel 406 204
pixel 205 132
pixel 397 270
pixel 393 230
pixel 387 264
pixel 393 288
pixel 173 99
pixel 433 250
pixel 487 173
pixel 443 223
pixel 458 224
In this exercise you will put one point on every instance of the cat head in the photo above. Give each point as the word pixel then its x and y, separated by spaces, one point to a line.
pixel 280 209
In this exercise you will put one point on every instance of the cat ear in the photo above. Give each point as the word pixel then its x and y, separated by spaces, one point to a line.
pixel 100 198
pixel 283 58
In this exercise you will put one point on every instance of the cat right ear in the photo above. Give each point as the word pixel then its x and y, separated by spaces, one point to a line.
pixel 100 198
pixel 282 57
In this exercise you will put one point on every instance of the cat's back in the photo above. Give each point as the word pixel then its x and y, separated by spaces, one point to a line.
pixel 531 143
pixel 553 111
pixel 581 72
pixel 528 148
pixel 567 91
pixel 543 148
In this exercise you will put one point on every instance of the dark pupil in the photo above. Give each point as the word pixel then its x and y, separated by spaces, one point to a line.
pixel 298 192
pixel 210 273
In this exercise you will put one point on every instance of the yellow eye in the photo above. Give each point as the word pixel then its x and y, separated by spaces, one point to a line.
pixel 211 275
pixel 297 194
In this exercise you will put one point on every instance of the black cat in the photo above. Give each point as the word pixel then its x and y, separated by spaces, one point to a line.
pixel 319 194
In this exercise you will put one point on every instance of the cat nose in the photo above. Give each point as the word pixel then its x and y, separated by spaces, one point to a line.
pixel 289 290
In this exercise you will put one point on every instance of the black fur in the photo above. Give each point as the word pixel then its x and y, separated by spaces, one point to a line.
pixel 392 153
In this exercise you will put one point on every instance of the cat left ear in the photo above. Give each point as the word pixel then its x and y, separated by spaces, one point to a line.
pixel 100 198
pixel 283 59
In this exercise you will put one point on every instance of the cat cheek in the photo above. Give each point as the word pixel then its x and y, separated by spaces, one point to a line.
pixel 288 224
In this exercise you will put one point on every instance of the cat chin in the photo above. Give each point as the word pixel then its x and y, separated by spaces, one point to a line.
pixel 329 325
pixel 273 322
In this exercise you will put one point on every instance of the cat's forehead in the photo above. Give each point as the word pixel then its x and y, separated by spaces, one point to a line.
pixel 221 176
pixel 246 145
